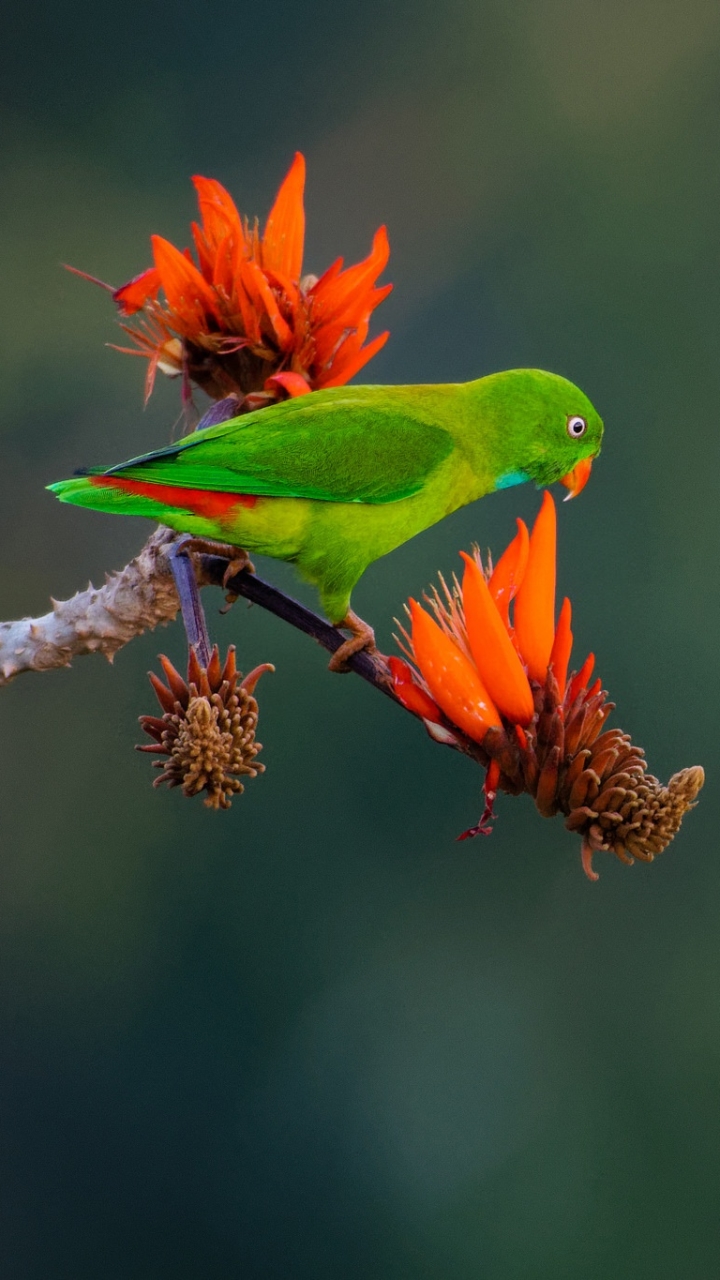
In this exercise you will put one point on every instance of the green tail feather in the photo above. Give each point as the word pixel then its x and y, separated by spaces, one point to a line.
pixel 81 492
pixel 72 490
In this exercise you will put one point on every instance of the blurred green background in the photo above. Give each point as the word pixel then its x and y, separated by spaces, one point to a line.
pixel 315 1037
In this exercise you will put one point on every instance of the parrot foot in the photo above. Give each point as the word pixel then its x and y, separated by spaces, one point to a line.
pixel 362 639
pixel 238 559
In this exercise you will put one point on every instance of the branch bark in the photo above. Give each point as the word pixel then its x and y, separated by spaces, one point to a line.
pixel 141 597
pixel 97 620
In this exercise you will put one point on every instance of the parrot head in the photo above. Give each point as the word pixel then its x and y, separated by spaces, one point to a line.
pixel 545 428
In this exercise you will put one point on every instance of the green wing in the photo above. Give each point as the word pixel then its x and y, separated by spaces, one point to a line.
pixel 364 444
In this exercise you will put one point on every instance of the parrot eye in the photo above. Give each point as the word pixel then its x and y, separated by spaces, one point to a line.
pixel 576 427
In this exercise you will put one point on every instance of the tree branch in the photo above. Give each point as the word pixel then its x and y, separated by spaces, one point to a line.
pixel 98 620
pixel 139 598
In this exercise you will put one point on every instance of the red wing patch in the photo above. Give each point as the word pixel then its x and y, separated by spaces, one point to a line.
pixel 201 502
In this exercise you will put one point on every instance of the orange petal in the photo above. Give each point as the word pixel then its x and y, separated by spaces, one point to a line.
pixel 217 210
pixel 131 297
pixel 492 649
pixel 343 370
pixel 188 294
pixel 263 297
pixel 205 255
pixel 351 318
pixel 327 277
pixel 410 693
pixel 245 295
pixel 579 681
pixel 221 274
pixel 293 383
pixel 510 571
pixel 451 678
pixel 345 296
pixel 562 647
pixel 535 601
pixel 285 285
pixel 329 338
pixel 284 238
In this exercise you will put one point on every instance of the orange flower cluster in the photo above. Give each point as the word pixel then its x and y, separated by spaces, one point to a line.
pixel 497 689
pixel 475 665
pixel 243 319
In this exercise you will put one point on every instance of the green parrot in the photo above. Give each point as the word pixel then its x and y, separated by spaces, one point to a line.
pixel 335 479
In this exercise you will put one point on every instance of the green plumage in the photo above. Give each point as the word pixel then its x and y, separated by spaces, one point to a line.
pixel 345 475
pixel 333 446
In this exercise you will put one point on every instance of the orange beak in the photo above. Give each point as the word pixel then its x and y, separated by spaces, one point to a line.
pixel 576 479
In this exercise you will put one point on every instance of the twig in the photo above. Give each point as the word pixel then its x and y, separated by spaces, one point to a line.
pixel 253 588
pixel 193 613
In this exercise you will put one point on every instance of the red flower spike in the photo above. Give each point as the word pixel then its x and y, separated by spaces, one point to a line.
pixel 451 678
pixel 535 601
pixel 492 649
pixel 562 647
pixel 410 694
pixel 510 571
pixel 240 313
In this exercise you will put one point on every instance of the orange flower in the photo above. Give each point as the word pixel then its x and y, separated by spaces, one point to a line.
pixel 242 319
pixel 500 693
pixel 476 667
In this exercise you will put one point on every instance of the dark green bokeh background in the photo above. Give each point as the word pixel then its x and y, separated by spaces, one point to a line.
pixel 315 1037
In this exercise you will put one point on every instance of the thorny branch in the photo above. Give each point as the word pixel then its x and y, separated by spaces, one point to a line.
pixel 139 598
pixel 98 620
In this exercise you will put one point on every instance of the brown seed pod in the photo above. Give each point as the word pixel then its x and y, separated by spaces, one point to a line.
pixel 207 730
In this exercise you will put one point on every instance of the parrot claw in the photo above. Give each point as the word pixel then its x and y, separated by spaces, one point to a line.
pixel 238 559
pixel 362 639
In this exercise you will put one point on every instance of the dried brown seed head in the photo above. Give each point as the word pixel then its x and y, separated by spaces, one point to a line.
pixel 208 727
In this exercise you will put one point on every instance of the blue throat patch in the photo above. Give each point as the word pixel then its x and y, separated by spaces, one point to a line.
pixel 512 477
